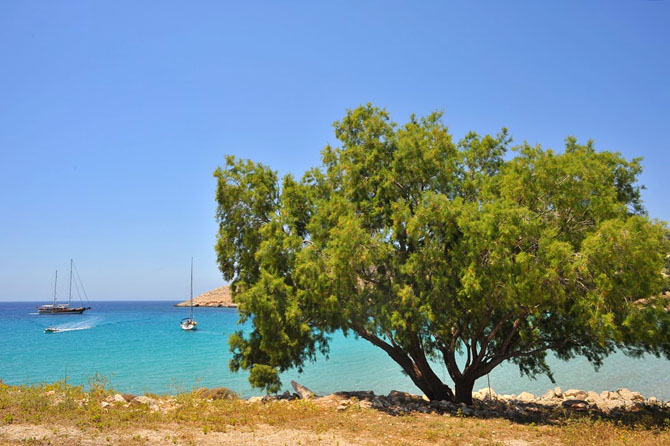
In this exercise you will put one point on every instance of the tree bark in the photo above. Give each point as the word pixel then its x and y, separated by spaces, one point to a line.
pixel 420 373
pixel 433 388
pixel 464 390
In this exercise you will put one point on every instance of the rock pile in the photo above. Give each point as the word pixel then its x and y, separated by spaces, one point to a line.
pixel 607 402
pixel 127 400
pixel 487 403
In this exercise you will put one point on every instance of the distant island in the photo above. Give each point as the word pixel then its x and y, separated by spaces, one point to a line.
pixel 218 297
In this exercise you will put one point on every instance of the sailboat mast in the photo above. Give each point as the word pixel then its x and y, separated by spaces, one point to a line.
pixel 69 294
pixel 55 284
pixel 191 287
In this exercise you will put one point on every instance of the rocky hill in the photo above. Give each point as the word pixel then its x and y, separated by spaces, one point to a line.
pixel 218 297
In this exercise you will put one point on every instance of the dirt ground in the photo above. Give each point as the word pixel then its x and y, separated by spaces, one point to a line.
pixel 261 435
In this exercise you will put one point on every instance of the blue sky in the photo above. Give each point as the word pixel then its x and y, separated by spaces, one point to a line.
pixel 113 115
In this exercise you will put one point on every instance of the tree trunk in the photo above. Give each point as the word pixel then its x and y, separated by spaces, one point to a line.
pixel 429 383
pixel 464 391
pixel 420 372
pixel 437 390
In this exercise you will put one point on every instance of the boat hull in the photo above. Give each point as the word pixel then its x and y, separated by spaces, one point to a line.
pixel 188 324
pixel 77 310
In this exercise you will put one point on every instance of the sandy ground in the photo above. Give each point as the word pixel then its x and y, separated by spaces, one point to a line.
pixel 262 435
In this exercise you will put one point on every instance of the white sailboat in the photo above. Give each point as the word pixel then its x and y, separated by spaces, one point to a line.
pixel 189 323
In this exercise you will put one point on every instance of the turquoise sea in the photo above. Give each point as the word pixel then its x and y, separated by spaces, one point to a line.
pixel 140 348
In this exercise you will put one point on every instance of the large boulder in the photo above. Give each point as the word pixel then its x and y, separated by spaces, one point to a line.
pixel 575 394
pixel 302 391
pixel 142 399
pixel 552 395
pixel 485 394
pixel 607 395
pixel 526 397
pixel 397 396
pixel 217 393
pixel 608 405
pixel 358 394
pixel 593 397
pixel 116 398
pixel 575 404
pixel 629 395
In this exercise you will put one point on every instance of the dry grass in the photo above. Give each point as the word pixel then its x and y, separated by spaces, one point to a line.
pixel 58 413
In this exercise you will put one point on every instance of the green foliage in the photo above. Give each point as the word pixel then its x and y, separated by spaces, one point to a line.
pixel 428 247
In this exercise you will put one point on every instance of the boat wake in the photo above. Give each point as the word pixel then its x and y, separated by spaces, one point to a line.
pixel 60 330
pixel 81 325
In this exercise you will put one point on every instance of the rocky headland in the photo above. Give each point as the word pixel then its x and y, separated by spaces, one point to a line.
pixel 218 297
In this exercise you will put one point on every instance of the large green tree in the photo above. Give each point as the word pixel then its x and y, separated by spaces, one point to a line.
pixel 436 250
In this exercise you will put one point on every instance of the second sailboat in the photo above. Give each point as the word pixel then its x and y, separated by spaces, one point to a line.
pixel 189 323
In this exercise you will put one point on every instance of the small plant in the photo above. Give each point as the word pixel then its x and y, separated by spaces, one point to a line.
pixel 99 385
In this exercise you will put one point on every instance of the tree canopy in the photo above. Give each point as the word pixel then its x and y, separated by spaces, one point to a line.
pixel 465 252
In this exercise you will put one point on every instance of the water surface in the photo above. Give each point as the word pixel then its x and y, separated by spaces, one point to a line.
pixel 140 347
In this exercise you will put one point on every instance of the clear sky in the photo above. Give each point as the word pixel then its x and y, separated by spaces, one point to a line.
pixel 114 114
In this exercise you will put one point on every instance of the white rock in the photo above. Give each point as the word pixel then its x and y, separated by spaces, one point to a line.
pixel 526 397
pixel 365 404
pixel 144 400
pixel 629 395
pixel 593 397
pixel 575 394
pixel 608 405
pixel 607 395
pixel 483 394
pixel 550 395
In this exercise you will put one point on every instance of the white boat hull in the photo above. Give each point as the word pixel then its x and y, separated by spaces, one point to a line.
pixel 188 324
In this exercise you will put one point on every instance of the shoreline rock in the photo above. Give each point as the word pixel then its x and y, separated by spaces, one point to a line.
pixel 487 403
